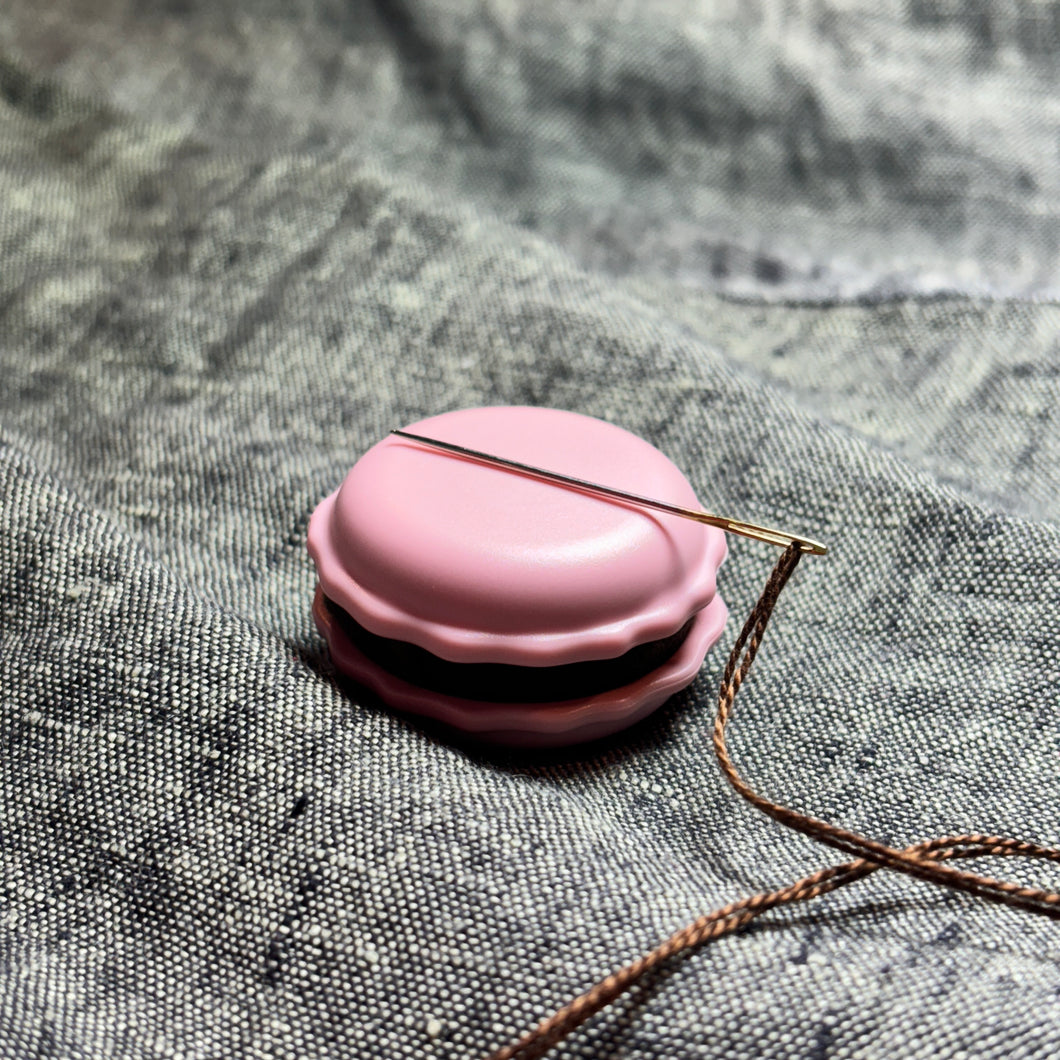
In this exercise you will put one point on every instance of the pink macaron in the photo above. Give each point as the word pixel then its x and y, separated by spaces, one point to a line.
pixel 518 611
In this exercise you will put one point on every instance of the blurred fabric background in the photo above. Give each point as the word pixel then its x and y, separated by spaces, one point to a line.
pixel 811 250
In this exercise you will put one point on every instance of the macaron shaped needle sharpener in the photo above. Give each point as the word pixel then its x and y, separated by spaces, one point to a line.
pixel 519 611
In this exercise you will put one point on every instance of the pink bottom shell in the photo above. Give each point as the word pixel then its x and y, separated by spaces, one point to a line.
pixel 532 725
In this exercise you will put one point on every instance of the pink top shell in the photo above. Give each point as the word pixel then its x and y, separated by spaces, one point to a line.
pixel 479 564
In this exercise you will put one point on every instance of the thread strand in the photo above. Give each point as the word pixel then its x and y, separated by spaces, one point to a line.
pixel 926 860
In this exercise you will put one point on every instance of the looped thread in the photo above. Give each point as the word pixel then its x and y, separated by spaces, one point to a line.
pixel 925 860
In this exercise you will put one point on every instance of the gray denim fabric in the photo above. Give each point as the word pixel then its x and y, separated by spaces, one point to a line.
pixel 811 251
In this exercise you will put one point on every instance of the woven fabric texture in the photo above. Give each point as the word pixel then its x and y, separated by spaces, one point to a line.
pixel 809 250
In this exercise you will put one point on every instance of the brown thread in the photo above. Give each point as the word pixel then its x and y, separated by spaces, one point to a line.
pixel 922 860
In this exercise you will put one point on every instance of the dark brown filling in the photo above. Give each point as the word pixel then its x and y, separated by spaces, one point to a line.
pixel 503 682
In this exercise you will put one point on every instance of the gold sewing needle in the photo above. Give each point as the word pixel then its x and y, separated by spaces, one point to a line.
pixel 733 526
